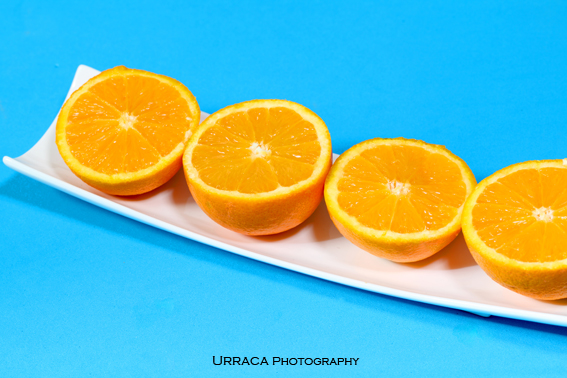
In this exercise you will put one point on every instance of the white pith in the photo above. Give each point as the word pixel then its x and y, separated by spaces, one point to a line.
pixel 127 120
pixel 398 189
pixel 259 150
pixel 543 214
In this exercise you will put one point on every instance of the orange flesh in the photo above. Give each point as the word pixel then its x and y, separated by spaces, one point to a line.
pixel 404 189
pixel 524 215
pixel 126 123
pixel 257 151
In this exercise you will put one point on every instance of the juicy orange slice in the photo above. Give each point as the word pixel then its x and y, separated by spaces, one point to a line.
pixel 398 199
pixel 259 167
pixel 124 131
pixel 515 224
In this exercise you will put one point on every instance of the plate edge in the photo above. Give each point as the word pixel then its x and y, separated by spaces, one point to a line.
pixel 472 307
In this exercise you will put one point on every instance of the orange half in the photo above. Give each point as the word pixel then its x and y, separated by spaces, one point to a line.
pixel 399 199
pixel 124 131
pixel 515 224
pixel 259 167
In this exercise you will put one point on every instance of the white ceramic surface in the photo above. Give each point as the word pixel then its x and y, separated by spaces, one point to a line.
pixel 451 278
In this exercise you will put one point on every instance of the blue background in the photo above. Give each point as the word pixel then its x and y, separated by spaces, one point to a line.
pixel 85 292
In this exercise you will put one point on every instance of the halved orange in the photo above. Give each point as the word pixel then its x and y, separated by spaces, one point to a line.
pixel 259 167
pixel 124 131
pixel 398 199
pixel 515 225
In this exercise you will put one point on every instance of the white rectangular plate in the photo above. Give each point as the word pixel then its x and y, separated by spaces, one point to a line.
pixel 451 278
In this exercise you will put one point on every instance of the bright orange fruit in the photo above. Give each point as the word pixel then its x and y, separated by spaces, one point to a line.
pixel 399 199
pixel 124 131
pixel 515 225
pixel 259 167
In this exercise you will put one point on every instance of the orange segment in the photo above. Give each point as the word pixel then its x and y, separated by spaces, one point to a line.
pixel 113 91
pixel 88 107
pixel 240 123
pixel 515 224
pixel 259 167
pixel 138 152
pixel 163 137
pixel 124 131
pixel 259 177
pixel 289 172
pixel 434 213
pixel 301 132
pixel 398 199
pixel 307 152
pixel 280 119
pixel 96 145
